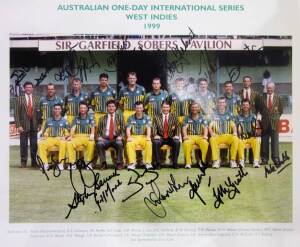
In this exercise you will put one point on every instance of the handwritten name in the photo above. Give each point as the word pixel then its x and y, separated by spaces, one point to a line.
pixel 278 167
pixel 229 189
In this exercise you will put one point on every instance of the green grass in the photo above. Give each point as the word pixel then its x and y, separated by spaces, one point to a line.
pixel 34 199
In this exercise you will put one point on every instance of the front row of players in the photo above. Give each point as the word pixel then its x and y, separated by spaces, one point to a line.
pixel 141 134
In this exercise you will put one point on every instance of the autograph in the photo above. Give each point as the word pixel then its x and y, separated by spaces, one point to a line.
pixel 98 188
pixel 230 189
pixel 154 200
pixel 278 167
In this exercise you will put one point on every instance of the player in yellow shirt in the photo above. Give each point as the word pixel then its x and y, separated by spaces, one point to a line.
pixel 222 129
pixel 54 133
pixel 82 134
pixel 138 132
pixel 194 131
pixel 247 128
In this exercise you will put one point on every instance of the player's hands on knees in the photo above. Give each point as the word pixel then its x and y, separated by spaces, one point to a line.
pixel 20 129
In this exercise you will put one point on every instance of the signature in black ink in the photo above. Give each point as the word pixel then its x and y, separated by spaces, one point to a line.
pixel 154 200
pixel 278 167
pixel 55 163
pixel 230 189
pixel 42 77
pixel 98 188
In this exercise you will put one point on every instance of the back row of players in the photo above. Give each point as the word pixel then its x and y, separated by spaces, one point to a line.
pixel 149 121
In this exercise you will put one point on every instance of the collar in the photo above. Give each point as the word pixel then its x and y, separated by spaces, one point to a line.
pixel 152 93
pixel 139 118
pixel 100 90
pixel 51 99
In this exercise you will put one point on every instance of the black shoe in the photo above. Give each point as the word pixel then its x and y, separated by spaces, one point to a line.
pixel 264 162
pixel 175 166
pixel 119 166
pixel 23 164
pixel 103 166
pixel 277 163
pixel 158 167
pixel 34 165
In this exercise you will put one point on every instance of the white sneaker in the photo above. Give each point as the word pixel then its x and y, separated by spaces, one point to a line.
pixel 45 166
pixel 148 166
pixel 216 164
pixel 61 167
pixel 242 163
pixel 72 167
pixel 89 167
pixel 233 164
pixel 188 166
pixel 256 164
pixel 131 166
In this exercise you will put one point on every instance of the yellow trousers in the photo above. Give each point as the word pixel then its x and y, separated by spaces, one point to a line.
pixel 127 114
pixel 228 139
pixel 139 140
pixel 50 142
pixel 188 147
pixel 77 141
pixel 255 145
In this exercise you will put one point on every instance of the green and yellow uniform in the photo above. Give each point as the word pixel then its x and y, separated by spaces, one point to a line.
pixel 180 107
pixel 207 103
pixel 55 132
pixel 195 131
pixel 153 103
pixel 138 130
pixel 98 101
pixel 83 127
pixel 46 107
pixel 246 127
pixel 72 105
pixel 127 99
pixel 233 104
pixel 223 126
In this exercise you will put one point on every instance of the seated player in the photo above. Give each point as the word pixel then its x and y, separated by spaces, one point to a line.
pixel 110 131
pixel 194 132
pixel 247 129
pixel 222 130
pixel 166 131
pixel 54 133
pixel 81 134
pixel 138 132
